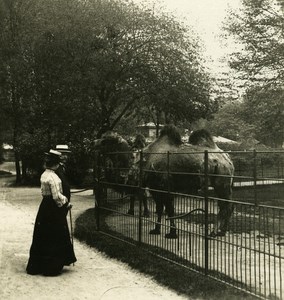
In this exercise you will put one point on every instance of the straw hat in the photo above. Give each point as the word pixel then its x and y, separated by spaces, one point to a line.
pixel 63 148
pixel 53 156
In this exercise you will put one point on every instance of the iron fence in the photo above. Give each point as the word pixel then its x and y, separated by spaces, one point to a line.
pixel 251 254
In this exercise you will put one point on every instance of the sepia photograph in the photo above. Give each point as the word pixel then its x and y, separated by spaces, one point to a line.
pixel 141 149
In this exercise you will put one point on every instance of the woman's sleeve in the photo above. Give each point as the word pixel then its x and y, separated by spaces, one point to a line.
pixel 56 191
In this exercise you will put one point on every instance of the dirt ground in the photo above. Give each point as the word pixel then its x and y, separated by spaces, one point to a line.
pixel 94 276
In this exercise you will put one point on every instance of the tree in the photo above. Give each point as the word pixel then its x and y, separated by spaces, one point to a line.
pixel 15 71
pixel 230 121
pixel 264 108
pixel 73 69
pixel 258 28
pixel 144 60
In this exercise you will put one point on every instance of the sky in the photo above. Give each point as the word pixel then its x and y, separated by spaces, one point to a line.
pixel 205 17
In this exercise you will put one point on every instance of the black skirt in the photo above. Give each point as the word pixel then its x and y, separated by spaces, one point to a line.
pixel 51 247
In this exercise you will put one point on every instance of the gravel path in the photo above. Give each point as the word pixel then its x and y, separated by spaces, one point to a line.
pixel 94 275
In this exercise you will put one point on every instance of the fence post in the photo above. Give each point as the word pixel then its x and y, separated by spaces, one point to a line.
pixel 168 183
pixel 140 195
pixel 168 172
pixel 95 171
pixel 97 188
pixel 255 176
pixel 206 182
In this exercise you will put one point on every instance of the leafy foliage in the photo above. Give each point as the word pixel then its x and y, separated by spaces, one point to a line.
pixel 70 70
pixel 230 122
pixel 258 27
pixel 264 108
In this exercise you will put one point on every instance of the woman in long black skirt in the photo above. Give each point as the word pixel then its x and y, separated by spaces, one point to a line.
pixel 51 247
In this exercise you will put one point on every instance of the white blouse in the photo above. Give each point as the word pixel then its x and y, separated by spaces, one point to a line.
pixel 51 185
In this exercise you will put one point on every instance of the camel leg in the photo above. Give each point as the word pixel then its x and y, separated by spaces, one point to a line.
pixel 131 209
pixel 225 211
pixel 157 229
pixel 169 203
pixel 159 207
pixel 146 212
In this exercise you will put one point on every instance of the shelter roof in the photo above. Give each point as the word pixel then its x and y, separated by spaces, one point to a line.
pixel 151 125
pixel 7 146
pixel 221 139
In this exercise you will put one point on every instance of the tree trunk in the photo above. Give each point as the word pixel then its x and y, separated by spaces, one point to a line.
pixel 18 168
pixel 16 153
pixel 24 171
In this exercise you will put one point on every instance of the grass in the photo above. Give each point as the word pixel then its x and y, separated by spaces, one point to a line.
pixel 182 280
pixel 266 194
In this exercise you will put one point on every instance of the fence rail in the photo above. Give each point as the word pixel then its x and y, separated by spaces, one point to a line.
pixel 251 254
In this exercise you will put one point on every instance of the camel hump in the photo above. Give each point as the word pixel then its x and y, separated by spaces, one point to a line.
pixel 203 138
pixel 172 133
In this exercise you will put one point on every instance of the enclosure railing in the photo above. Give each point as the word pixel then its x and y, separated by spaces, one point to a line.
pixel 250 255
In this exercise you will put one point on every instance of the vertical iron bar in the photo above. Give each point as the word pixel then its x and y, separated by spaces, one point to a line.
pixel 279 253
pixel 250 257
pixel 255 207
pixel 245 248
pixel 168 182
pixel 206 182
pixel 95 171
pixel 241 243
pixel 168 169
pixel 262 271
pixel 140 195
pixel 97 190
pixel 269 250
pixel 254 247
pixel 255 176
pixel 274 251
